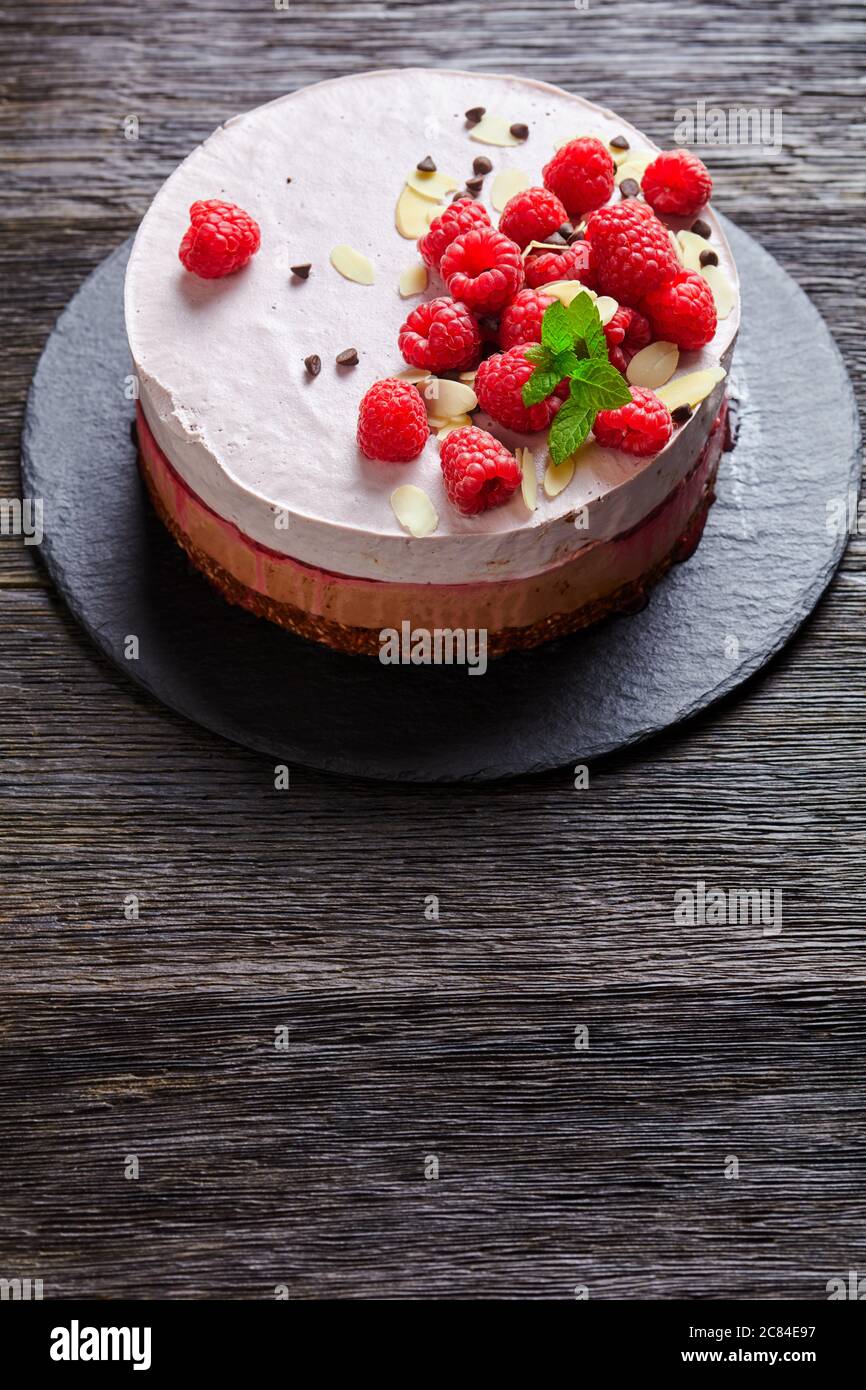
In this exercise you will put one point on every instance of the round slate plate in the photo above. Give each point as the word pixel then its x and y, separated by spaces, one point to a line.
pixel 766 557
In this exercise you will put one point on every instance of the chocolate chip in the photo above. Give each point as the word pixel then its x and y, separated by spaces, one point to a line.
pixel 302 271
pixel 681 414
pixel 133 432
pixel 481 165
pixel 629 188
pixel 702 228
pixel 519 131
pixel 475 185
pixel 489 324
pixel 288 180
pixel 347 358
pixel 576 236
pixel 474 114
pixel 426 165
pixel 619 142
pixel 556 239
pixel 565 231
pixel 313 364
pixel 709 258
pixel 461 193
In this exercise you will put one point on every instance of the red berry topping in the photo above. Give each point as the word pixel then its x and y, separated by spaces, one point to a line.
pixel 631 251
pixel 628 332
pixel 574 263
pixel 478 471
pixel 581 175
pixel 683 311
pixel 392 422
pixel 532 216
pixel 499 384
pixel 642 427
pixel 484 269
pixel 440 335
pixel 458 218
pixel 677 183
pixel 219 240
pixel 521 321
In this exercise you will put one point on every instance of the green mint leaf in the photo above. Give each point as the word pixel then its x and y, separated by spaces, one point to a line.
pixel 539 386
pixel 585 325
pixel 565 363
pixel 556 331
pixel 600 385
pixel 539 355
pixel 570 427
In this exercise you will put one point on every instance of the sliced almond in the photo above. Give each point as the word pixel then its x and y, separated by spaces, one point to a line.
pixel 529 483
pixel 563 140
pixel 619 156
pixel 353 265
pixel 653 365
pixel 469 377
pixel 635 166
pixel 414 374
pixel 414 280
pixel 446 398
pixel 494 130
pixel 567 290
pixel 676 248
pixel 691 246
pixel 723 290
pixel 606 307
pixel 690 389
pixel 434 186
pixel 414 214
pixel 557 476
pixel 459 422
pixel 414 510
pixel 506 184
pixel 541 246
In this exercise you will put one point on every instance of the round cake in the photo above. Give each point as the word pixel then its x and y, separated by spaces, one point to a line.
pixel 252 371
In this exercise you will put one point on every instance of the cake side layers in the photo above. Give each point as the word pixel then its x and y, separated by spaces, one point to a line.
pixel 349 613
pixel 220 364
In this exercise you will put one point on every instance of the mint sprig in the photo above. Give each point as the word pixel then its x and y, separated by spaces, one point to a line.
pixel 573 347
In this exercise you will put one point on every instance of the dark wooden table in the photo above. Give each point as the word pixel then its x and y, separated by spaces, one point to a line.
pixel 410 1038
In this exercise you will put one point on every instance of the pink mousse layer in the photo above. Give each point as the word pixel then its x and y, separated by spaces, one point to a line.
pixel 592 576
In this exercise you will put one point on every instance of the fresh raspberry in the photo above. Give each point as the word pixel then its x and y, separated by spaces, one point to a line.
pixel 440 335
pixel 631 251
pixel 219 240
pixel 458 218
pixel 499 383
pixel 581 175
pixel 521 321
pixel 392 422
pixel 532 215
pixel 484 269
pixel 478 471
pixel 642 427
pixel 683 311
pixel 617 358
pixel 626 333
pixel 572 263
pixel 677 183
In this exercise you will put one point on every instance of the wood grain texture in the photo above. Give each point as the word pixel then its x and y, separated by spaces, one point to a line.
pixel 261 909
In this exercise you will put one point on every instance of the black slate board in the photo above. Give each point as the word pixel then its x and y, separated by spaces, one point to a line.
pixel 766 557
